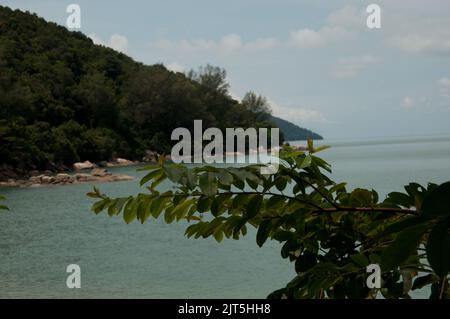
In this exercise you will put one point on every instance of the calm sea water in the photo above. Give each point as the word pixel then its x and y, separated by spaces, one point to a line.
pixel 49 228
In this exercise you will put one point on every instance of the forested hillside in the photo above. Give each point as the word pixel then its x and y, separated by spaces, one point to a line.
pixel 292 132
pixel 64 99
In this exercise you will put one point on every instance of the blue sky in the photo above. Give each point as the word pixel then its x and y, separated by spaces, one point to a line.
pixel 316 61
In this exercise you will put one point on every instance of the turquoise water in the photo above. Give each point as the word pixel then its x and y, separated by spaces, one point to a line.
pixel 50 228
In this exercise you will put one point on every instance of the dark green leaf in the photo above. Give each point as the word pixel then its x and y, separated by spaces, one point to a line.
pixel 254 206
pixel 208 184
pixel 437 202
pixel 423 281
pixel 438 248
pixel 402 247
pixel 263 232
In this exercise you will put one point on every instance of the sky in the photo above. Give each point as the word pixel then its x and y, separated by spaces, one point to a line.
pixel 317 62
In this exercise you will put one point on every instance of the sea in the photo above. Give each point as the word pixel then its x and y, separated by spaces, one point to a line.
pixel 49 228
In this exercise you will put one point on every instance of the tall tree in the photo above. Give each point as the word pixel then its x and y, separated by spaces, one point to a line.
pixel 212 77
pixel 257 104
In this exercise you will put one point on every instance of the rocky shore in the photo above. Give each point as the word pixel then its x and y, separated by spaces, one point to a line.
pixel 81 172
pixel 95 175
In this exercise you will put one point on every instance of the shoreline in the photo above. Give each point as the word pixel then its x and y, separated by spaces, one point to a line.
pixel 62 179
pixel 98 172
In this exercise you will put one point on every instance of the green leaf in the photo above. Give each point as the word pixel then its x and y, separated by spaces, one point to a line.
pixel 281 183
pixel 174 172
pixel 263 232
pixel 275 201
pixel 437 202
pixel 254 206
pixel 423 281
pixel 417 192
pixel 304 162
pixel 208 184
pixel 130 211
pixel 168 216
pixel 158 180
pixel 239 183
pixel 399 199
pixel 203 204
pixel 181 210
pixel 218 204
pixel 361 197
pixel 225 177
pixel 438 248
pixel 239 200
pixel 402 247
pixel 100 205
pixel 191 179
pixel 152 175
pixel 360 260
pixel 403 224
pixel 218 236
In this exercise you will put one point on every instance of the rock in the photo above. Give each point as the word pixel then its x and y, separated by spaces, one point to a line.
pixel 47 179
pixel 150 156
pixel 35 179
pixel 100 172
pixel 121 178
pixel 83 165
pixel 85 177
pixel 120 162
pixel 123 161
pixel 63 178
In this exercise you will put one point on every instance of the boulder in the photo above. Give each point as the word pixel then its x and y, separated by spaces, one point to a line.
pixel 47 179
pixel 150 156
pixel 120 178
pixel 63 178
pixel 35 179
pixel 85 177
pixel 120 162
pixel 83 165
pixel 100 172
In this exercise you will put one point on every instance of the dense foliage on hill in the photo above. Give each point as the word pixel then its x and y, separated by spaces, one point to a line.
pixel 64 99
pixel 292 132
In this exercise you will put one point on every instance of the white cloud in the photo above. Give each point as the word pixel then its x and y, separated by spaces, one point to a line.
pixel 228 44
pixel 308 38
pixel 116 41
pixel 175 67
pixel 334 30
pixel 348 16
pixel 444 86
pixel 426 36
pixel 438 43
pixel 408 102
pixel 351 66
pixel 339 25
